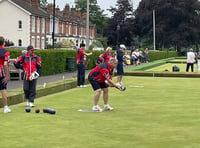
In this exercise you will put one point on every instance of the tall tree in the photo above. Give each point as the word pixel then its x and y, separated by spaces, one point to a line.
pixel 177 22
pixel 43 3
pixel 120 25
pixel 96 14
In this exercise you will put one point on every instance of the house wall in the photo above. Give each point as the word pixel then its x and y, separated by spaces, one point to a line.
pixel 33 33
pixel 38 33
pixel 10 17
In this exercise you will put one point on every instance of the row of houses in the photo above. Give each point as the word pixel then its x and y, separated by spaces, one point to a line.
pixel 24 22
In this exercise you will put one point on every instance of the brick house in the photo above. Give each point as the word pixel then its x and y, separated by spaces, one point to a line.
pixel 29 24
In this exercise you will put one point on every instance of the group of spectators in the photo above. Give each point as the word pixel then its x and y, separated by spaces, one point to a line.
pixel 136 56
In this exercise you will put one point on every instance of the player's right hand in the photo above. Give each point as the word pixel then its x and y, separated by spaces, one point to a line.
pixel 119 87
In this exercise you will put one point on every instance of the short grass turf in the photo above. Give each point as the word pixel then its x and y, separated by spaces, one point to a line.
pixel 151 113
pixel 179 60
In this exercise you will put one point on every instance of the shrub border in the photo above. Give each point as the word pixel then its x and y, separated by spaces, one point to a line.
pixel 19 98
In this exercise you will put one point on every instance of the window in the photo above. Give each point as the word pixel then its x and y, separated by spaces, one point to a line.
pixel 62 28
pixel 19 42
pixel 43 43
pixel 43 25
pixel 38 42
pixel 56 26
pixel 38 25
pixel 33 41
pixel 51 25
pixel 76 30
pixel 82 31
pixel 70 29
pixel 67 29
pixel 33 24
pixel 20 24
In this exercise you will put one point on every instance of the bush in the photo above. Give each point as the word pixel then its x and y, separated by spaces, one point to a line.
pixel 54 61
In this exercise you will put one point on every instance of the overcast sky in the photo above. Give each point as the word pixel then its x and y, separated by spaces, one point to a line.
pixel 104 4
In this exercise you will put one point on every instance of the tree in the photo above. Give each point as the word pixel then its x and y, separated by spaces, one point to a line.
pixel 43 3
pixel 103 41
pixel 177 22
pixel 82 6
pixel 120 25
pixel 96 14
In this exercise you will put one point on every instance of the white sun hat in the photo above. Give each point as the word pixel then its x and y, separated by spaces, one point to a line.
pixel 122 46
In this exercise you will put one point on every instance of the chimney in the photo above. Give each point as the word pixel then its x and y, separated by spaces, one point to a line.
pixel 66 10
pixel 73 11
pixel 50 7
pixel 35 3
pixel 57 9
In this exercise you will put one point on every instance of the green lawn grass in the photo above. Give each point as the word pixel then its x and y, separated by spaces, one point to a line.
pixel 151 113
pixel 169 66
pixel 179 60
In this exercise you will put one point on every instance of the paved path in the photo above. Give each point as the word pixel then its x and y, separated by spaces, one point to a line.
pixel 15 84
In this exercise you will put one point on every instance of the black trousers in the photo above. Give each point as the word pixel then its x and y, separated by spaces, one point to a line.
pixel 30 89
pixel 81 74
pixel 188 67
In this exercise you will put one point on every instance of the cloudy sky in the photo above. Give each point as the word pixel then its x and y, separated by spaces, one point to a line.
pixel 104 4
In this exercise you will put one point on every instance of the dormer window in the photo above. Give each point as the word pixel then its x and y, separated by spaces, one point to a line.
pixel 20 24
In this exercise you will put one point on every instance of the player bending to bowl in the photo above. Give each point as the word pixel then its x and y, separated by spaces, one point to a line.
pixel 97 78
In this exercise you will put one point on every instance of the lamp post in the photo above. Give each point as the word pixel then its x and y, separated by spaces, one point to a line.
pixel 53 33
pixel 118 28
pixel 87 26
pixel 154 31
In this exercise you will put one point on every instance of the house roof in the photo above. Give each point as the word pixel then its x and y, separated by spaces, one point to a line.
pixel 31 9
pixel 47 13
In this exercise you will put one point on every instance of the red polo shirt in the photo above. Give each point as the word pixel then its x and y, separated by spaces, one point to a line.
pixel 4 57
pixel 106 56
pixel 30 64
pixel 101 72
pixel 80 56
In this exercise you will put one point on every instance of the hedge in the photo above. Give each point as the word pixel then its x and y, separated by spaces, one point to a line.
pixel 54 61
pixel 157 55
